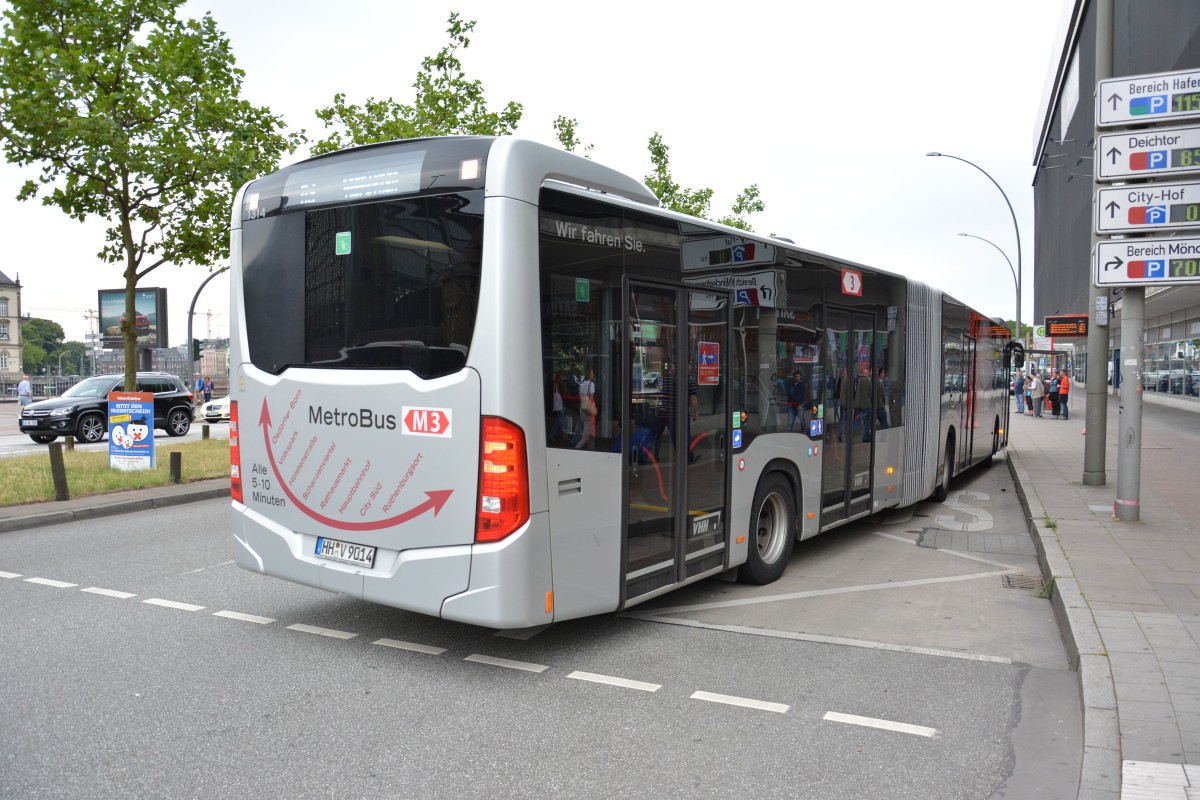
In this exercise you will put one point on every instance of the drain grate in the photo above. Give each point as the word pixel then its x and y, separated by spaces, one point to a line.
pixel 1022 581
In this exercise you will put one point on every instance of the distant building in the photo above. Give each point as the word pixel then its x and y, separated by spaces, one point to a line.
pixel 10 330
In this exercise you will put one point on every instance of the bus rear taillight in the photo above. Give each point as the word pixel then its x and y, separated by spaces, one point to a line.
pixel 503 480
pixel 235 454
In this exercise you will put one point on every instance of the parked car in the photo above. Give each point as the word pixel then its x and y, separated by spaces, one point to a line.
pixel 82 410
pixel 217 410
pixel 140 322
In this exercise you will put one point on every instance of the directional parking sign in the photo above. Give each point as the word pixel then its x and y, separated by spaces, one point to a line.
pixel 1147 262
pixel 1148 153
pixel 1161 97
pixel 1148 207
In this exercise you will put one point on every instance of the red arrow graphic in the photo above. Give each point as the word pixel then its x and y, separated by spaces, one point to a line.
pixel 436 500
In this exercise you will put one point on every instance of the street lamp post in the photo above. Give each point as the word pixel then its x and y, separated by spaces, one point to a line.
pixel 1017 319
pixel 1016 230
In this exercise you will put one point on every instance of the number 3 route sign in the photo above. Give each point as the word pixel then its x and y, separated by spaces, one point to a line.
pixel 852 282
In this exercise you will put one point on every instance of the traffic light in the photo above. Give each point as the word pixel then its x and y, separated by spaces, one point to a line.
pixel 195 349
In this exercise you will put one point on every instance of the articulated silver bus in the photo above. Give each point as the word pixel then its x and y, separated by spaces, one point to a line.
pixel 484 379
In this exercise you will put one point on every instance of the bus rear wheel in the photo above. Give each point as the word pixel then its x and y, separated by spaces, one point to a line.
pixel 772 531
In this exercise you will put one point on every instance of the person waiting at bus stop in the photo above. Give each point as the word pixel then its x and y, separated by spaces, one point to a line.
pixel 1064 389
pixel 797 396
pixel 667 399
pixel 25 391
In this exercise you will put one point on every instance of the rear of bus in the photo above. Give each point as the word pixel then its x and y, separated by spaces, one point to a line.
pixel 362 463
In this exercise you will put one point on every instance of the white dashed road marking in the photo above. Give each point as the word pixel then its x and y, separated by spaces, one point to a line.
pixel 154 601
pixel 243 617
pixel 322 631
pixel 504 662
pixel 613 681
pixel 109 592
pixel 883 724
pixel 48 582
pixel 413 646
pixel 744 702
pixel 10 574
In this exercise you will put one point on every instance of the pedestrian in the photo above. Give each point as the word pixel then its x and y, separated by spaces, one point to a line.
pixel 1019 391
pixel 667 399
pixel 1064 389
pixel 587 412
pixel 1029 393
pixel 1052 393
pixel 562 427
pixel 199 385
pixel 207 389
pixel 1037 393
pixel 24 391
pixel 797 394
pixel 881 398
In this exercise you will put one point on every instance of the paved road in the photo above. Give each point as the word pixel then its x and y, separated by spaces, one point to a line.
pixel 208 681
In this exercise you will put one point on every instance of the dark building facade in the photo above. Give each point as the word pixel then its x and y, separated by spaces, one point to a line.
pixel 1149 36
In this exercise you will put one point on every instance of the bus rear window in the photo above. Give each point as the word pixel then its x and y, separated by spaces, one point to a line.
pixel 388 285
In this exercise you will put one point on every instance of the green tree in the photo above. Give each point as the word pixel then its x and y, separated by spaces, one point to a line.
pixel 446 103
pixel 564 131
pixel 41 341
pixel 696 202
pixel 134 116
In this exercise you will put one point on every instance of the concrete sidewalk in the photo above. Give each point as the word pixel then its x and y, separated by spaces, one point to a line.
pixel 1127 595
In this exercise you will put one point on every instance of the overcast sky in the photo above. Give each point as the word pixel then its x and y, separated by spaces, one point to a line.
pixel 828 107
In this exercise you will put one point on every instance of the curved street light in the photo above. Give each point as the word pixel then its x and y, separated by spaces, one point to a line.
pixel 1017 321
pixel 1016 230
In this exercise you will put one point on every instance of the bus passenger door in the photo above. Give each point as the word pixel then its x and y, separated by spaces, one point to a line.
pixel 966 439
pixel 850 414
pixel 675 436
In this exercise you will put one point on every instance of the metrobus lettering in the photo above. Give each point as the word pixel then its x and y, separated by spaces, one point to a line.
pixel 362 418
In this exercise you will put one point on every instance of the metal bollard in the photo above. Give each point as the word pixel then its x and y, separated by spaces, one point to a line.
pixel 58 472
pixel 176 466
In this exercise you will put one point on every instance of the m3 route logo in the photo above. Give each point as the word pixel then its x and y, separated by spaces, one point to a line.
pixel 426 421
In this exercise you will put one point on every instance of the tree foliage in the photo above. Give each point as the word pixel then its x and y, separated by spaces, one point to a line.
pixel 41 340
pixel 695 202
pixel 134 116
pixel 564 131
pixel 446 103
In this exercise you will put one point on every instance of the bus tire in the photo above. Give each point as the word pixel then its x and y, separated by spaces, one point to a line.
pixel 943 488
pixel 772 531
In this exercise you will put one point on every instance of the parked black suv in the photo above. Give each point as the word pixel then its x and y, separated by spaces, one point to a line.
pixel 82 410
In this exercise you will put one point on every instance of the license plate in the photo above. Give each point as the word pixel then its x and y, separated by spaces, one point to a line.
pixel 346 552
pixel 29 423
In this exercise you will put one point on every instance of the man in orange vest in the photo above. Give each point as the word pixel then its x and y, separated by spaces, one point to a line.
pixel 1064 386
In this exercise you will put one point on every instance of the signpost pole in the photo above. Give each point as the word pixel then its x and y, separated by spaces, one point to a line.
pixel 1095 432
pixel 1127 507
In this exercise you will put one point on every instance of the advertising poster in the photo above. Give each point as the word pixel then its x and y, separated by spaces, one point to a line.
pixel 131 430
pixel 708 359
pixel 149 319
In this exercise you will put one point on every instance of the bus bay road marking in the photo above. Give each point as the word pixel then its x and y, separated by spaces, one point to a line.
pixel 883 724
pixel 109 592
pixel 410 646
pixel 982 519
pixel 10 575
pixel 155 601
pixel 244 617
